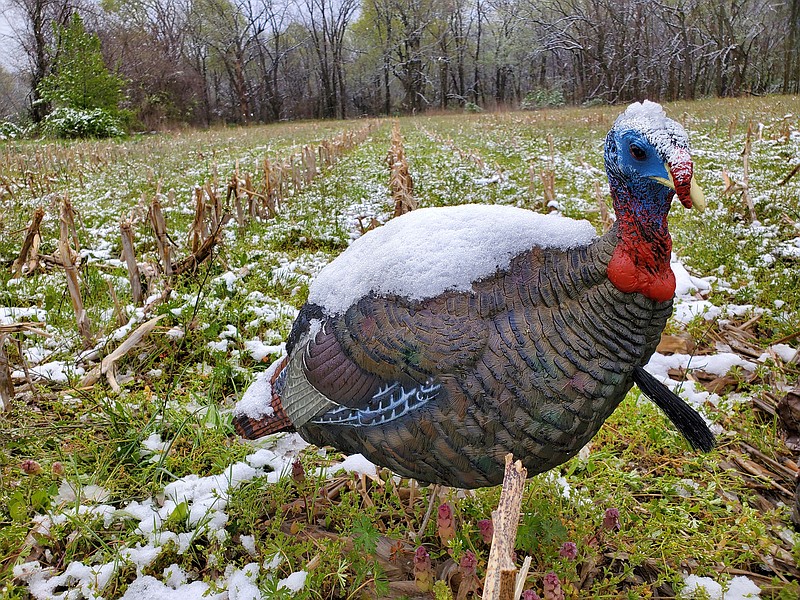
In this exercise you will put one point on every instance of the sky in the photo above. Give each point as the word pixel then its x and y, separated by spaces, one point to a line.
pixel 10 55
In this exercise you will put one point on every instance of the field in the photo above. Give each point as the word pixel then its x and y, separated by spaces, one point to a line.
pixel 120 474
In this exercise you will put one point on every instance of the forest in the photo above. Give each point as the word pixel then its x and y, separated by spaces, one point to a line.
pixel 201 62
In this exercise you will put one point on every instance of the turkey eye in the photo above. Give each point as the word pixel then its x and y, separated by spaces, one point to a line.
pixel 637 152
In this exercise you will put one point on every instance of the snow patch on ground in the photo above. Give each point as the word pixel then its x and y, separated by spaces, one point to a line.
pixel 204 500
pixel 739 588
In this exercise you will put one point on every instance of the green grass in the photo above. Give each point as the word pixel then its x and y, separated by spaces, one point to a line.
pixel 679 511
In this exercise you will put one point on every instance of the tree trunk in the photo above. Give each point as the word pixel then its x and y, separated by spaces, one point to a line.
pixel 790 55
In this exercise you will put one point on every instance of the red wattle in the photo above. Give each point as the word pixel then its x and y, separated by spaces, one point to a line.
pixel 629 278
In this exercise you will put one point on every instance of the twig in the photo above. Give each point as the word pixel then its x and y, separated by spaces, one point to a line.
pixel 203 252
pixel 746 173
pixel 32 327
pixel 791 174
pixel 434 494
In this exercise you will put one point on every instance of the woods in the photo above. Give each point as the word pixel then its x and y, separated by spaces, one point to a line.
pixel 246 61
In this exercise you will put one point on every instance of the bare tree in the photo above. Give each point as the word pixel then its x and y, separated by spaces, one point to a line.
pixel 34 28
pixel 327 22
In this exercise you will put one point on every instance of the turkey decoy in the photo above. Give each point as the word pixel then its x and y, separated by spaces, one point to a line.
pixel 449 337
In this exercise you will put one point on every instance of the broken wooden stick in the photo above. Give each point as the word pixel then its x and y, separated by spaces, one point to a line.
pixel 106 367
pixel 202 253
pixel 501 574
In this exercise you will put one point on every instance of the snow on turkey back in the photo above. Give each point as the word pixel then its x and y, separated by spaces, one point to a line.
pixel 406 256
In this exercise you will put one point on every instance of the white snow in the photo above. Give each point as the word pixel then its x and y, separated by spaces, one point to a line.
pixel 432 250
pixel 154 445
pixel 256 402
pixel 242 583
pixel 150 588
pixel 717 364
pixel 57 371
pixel 249 544
pixel 686 310
pixel 739 588
pixel 686 284
pixel 355 463
pixel 220 346
pixel 69 492
pixel 294 582
pixel 693 584
pixel 259 350
pixel 785 352
pixel 12 314
pixel 174 576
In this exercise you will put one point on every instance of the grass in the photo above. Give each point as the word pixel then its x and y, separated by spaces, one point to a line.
pixel 679 512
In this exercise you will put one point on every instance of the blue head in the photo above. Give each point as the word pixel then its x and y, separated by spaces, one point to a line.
pixel 647 162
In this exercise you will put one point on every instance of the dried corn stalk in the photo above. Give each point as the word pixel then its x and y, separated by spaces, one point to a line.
pixel 197 234
pixel 159 225
pixel 748 201
pixel 271 190
pixel 68 257
pixel 119 310
pixel 70 215
pixel 252 197
pixel 6 385
pixel 605 217
pixel 297 180
pixel 548 178
pixel 400 183
pixel 129 256
pixel 732 123
pixel 235 186
pixel 213 207
pixel 309 163
pixel 31 242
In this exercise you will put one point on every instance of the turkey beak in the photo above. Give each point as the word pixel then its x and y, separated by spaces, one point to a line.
pixel 681 179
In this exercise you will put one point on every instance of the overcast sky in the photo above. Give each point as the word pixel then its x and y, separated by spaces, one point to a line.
pixel 10 55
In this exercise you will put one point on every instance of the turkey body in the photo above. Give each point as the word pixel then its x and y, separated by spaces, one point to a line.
pixel 528 358
pixel 532 362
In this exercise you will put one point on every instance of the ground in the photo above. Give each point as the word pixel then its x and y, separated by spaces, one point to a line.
pixel 130 481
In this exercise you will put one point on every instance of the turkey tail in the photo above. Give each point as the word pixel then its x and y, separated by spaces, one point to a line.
pixel 684 417
pixel 251 428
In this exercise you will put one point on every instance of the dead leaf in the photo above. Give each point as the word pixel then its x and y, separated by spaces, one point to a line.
pixel 676 344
